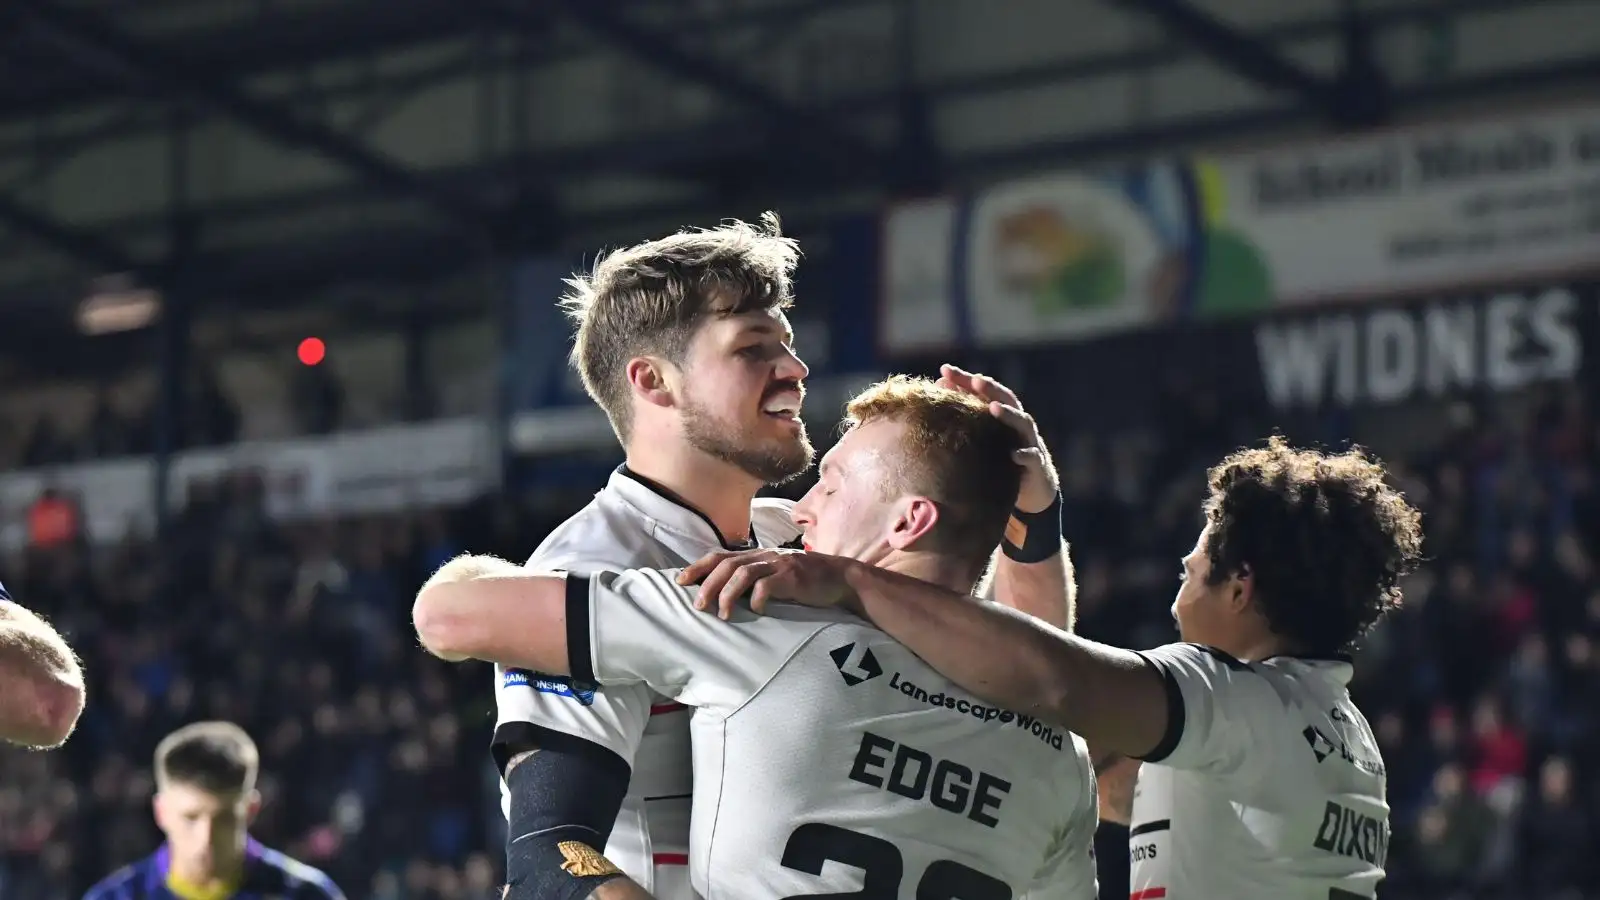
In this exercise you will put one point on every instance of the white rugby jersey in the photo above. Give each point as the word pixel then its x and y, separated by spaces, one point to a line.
pixel 630 523
pixel 829 758
pixel 1268 785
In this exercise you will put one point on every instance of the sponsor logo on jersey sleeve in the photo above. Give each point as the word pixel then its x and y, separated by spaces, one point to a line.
pixel 857 664
pixel 559 685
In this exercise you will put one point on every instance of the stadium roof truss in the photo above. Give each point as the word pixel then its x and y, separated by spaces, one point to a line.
pixel 266 147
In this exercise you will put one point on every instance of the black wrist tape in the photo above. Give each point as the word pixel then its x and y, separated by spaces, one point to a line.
pixel 1033 537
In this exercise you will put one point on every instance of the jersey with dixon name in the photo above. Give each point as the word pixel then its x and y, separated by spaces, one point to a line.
pixel 1268 785
pixel 829 758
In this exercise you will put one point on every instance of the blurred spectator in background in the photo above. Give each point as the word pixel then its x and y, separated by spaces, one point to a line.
pixel 1557 839
pixel 52 520
pixel 211 418
pixel 317 399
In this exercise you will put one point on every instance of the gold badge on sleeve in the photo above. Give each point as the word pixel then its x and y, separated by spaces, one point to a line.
pixel 583 861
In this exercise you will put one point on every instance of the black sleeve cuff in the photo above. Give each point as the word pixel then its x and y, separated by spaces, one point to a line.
pixel 580 664
pixel 512 738
pixel 1175 714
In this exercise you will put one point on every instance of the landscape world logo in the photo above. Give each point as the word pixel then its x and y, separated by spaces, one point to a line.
pixel 855 666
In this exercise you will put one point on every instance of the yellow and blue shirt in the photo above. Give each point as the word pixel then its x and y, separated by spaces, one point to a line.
pixel 267 875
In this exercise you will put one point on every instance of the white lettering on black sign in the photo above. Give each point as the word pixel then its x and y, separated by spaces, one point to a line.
pixel 1388 355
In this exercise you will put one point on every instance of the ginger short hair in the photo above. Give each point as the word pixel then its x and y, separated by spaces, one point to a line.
pixel 956 453
pixel 651 298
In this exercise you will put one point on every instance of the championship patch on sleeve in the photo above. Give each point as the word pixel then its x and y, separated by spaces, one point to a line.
pixel 559 685
pixel 583 861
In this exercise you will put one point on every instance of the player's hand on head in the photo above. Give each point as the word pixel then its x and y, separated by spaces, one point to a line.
pixel 1040 483
pixel 757 576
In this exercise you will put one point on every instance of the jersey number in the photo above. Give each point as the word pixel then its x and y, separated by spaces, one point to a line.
pixel 882 867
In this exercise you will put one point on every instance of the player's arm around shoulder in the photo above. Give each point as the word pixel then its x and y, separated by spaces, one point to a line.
pixel 41 681
pixel 1112 697
pixel 482 607
pixel 633 627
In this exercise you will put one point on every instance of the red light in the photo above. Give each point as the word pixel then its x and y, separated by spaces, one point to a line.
pixel 312 350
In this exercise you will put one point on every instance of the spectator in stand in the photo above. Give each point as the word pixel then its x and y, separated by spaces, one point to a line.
pixel 1557 837
pixel 52 520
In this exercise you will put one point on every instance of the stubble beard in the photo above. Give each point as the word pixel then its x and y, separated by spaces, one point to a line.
pixel 769 460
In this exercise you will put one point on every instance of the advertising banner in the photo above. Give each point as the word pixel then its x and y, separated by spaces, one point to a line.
pixel 1416 209
pixel 1057 258
pixel 381 470
pixel 1071 256
pixel 1370 355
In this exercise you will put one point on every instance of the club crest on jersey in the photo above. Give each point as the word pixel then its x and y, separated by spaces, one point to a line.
pixel 855 664
pixel 559 685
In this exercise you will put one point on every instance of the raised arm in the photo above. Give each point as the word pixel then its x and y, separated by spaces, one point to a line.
pixel 1047 588
pixel 1033 570
pixel 41 683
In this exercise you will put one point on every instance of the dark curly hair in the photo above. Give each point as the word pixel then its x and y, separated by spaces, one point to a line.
pixel 1324 537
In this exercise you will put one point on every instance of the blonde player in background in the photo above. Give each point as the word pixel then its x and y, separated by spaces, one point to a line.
pixel 41 683
pixel 205 801
pixel 685 343
pixel 828 758
pixel 1261 780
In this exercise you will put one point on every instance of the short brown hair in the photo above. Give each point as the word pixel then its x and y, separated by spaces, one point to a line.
pixel 650 298
pixel 956 453
pixel 1325 538
pixel 216 757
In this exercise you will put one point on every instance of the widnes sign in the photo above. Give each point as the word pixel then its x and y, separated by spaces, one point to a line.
pixel 1373 356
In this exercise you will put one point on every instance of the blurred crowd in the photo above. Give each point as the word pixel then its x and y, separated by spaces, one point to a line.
pixel 374 756
pixel 126 424
pixel 1483 690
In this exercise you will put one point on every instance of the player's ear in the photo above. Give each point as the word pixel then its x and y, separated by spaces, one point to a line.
pixel 252 807
pixel 156 811
pixel 1241 589
pixel 912 519
pixel 651 379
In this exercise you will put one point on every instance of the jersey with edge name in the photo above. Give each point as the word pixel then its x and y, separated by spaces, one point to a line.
pixel 268 875
pixel 828 757
pixel 630 523
pixel 1269 784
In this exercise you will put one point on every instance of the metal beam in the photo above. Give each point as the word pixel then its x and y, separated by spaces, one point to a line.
pixel 1241 53
pixel 103 47
pixel 96 252
pixel 663 52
